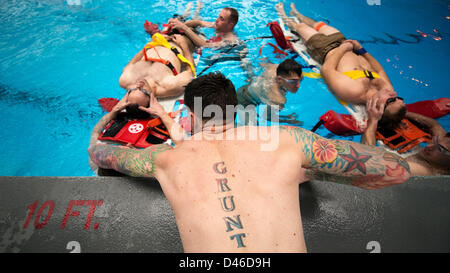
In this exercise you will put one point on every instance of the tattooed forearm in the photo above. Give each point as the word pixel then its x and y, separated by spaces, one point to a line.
pixel 130 161
pixel 368 182
pixel 348 162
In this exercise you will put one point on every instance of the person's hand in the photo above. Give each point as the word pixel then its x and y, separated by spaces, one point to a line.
pixel 292 119
pixel 154 108
pixel 347 46
pixel 140 83
pixel 119 107
pixel 177 24
pixel 375 109
pixel 181 41
pixel 356 44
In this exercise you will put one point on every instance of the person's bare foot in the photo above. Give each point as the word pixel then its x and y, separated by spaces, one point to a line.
pixel 197 10
pixel 294 12
pixel 280 10
pixel 199 4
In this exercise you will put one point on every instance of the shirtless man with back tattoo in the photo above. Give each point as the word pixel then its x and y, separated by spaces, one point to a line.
pixel 236 189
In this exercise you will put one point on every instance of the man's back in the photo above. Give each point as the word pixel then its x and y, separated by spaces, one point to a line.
pixel 230 196
pixel 236 189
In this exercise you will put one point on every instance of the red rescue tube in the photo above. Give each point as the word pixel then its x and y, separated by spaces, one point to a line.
pixel 431 108
pixel 278 34
pixel 151 28
pixel 340 124
pixel 108 104
pixel 345 125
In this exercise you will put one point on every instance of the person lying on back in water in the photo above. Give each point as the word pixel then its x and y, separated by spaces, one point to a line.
pixel 349 71
pixel 434 159
pixel 270 88
pixel 236 189
pixel 165 63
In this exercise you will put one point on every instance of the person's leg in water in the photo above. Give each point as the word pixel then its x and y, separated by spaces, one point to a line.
pixel 323 28
pixel 304 30
pixel 303 19
pixel 187 12
pixel 196 15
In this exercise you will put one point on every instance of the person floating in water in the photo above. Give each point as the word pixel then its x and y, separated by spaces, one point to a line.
pixel 270 88
pixel 434 159
pixel 234 191
pixel 165 64
pixel 224 26
pixel 349 71
pixel 227 46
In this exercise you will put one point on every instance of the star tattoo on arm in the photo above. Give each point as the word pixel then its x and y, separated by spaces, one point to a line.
pixel 355 160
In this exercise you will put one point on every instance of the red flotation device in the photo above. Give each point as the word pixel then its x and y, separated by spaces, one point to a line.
pixel 151 28
pixel 339 124
pixel 345 125
pixel 430 108
pixel 107 104
pixel 139 133
pixel 278 34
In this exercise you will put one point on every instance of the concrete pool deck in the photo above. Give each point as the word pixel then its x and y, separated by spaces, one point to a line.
pixel 123 214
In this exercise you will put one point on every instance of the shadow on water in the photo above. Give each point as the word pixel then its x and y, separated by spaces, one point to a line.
pixel 49 104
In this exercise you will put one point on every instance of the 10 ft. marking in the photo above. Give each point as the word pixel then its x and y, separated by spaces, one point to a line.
pixel 69 213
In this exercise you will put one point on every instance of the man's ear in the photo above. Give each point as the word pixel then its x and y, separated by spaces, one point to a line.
pixel 278 79
pixel 194 122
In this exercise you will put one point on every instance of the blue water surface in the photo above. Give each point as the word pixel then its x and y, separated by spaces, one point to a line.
pixel 58 57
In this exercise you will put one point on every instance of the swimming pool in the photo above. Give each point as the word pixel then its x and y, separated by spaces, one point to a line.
pixel 58 57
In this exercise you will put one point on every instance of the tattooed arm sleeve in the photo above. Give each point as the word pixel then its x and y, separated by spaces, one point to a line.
pixel 348 162
pixel 129 161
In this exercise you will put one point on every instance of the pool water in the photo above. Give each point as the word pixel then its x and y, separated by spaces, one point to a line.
pixel 58 57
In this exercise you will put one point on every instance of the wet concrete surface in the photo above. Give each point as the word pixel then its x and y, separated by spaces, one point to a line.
pixel 123 214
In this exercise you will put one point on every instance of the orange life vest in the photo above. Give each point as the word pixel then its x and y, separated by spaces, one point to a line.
pixel 403 138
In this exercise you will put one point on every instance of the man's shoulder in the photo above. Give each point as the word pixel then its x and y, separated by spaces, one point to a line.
pixel 158 153
pixel 297 134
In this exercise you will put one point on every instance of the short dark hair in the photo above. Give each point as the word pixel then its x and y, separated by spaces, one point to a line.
pixel 213 89
pixel 234 15
pixel 288 66
pixel 392 120
pixel 133 112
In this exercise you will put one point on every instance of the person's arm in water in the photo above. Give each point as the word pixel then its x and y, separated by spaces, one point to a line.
pixel 430 125
pixel 196 39
pixel 375 112
pixel 126 160
pixel 372 61
pixel 199 23
pixel 347 162
pixel 345 88
pixel 135 59
pixel 181 41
